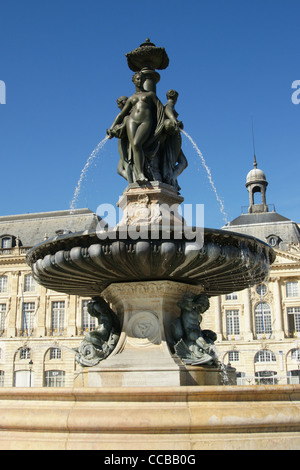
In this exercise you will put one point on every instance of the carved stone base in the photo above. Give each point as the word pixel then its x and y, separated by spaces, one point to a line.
pixel 127 376
pixel 142 356
pixel 154 203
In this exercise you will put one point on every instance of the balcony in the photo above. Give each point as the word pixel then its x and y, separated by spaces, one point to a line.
pixel 25 332
pixel 245 209
pixel 15 251
pixel 55 331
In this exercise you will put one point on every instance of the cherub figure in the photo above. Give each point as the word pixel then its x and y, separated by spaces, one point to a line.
pixel 192 344
pixel 98 344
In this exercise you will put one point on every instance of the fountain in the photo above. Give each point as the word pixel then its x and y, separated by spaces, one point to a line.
pixel 149 377
pixel 150 277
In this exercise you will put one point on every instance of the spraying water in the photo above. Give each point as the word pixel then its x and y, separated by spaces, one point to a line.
pixel 222 209
pixel 84 171
pixel 101 145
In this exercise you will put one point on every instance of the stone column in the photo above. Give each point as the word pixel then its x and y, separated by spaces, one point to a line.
pixel 71 315
pixel 41 312
pixel 278 317
pixel 248 332
pixel 13 304
pixel 218 318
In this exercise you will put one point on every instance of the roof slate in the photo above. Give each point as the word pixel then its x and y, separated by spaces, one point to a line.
pixel 34 228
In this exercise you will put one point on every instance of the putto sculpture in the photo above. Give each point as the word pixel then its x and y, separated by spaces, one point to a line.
pixel 98 344
pixel 192 344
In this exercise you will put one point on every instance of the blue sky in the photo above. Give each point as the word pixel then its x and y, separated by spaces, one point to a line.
pixel 63 63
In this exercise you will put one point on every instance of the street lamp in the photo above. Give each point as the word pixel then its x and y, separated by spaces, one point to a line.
pixel 30 370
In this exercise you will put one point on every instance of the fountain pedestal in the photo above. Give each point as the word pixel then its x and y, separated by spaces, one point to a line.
pixel 142 356
pixel 150 205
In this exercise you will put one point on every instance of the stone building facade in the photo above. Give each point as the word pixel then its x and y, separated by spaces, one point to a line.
pixel 258 329
pixel 39 328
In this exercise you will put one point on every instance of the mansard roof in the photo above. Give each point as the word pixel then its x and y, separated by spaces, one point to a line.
pixel 31 229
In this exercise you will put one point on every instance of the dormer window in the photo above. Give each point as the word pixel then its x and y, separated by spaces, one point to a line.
pixel 6 242
pixel 273 240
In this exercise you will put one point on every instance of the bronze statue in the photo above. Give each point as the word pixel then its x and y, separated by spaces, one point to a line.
pixel 142 115
pixel 99 344
pixel 173 160
pixel 124 167
pixel 193 345
pixel 148 132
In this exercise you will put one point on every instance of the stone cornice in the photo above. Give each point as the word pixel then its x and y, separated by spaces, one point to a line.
pixel 147 289
pixel 287 255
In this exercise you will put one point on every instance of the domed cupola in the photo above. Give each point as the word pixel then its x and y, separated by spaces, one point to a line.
pixel 256 182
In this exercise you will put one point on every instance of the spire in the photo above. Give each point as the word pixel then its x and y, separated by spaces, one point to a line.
pixel 255 162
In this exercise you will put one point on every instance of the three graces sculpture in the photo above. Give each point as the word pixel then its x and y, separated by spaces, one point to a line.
pixel 148 131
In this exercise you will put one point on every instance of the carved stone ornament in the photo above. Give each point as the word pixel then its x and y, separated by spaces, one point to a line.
pixel 143 329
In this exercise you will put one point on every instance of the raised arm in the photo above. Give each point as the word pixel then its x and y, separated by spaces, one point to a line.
pixel 125 111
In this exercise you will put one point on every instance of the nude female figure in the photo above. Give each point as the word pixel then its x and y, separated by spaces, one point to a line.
pixel 174 161
pixel 140 112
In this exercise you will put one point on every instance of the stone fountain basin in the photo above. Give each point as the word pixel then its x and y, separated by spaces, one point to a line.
pixel 83 264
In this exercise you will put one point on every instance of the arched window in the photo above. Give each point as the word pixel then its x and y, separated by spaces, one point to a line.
pixel 2 378
pixel 263 319
pixel 294 365
pixel 265 356
pixel 295 354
